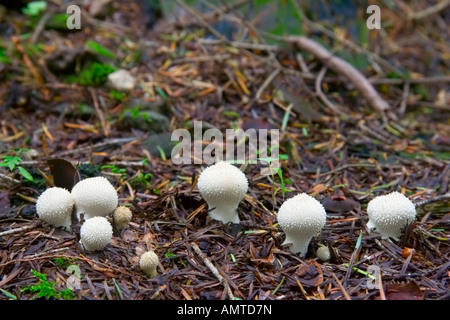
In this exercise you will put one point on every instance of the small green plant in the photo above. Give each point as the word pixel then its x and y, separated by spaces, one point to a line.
pixel 95 74
pixel 141 179
pixel 116 170
pixel 13 163
pixel 63 262
pixel 279 172
pixel 46 289
pixel 118 95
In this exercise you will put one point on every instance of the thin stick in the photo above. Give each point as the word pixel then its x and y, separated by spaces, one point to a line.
pixel 344 292
pixel 99 112
pixel 17 230
pixel 46 253
pixel 430 10
pixel 213 269
pixel 5 177
pixel 26 59
pixel 435 199
pixel 322 96
pixel 380 288
pixel 341 66
pixel 266 83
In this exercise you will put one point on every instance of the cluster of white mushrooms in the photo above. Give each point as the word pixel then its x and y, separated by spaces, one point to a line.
pixel 94 198
pixel 301 217
pixel 222 186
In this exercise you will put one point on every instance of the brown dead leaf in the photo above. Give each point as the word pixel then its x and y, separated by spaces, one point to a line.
pixel 310 275
pixel 64 173
pixel 401 291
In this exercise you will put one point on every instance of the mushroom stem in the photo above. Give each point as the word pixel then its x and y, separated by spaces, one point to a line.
pixel 299 243
pixel 225 213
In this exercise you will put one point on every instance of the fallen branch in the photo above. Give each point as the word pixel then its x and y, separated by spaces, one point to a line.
pixel 342 67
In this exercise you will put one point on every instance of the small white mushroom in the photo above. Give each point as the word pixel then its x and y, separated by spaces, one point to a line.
pixel 121 80
pixel 388 214
pixel 122 217
pixel 94 197
pixel 323 253
pixel 301 217
pixel 95 233
pixel 148 263
pixel 55 206
pixel 223 186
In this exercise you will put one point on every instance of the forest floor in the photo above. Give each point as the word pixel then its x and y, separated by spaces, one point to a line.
pixel 55 103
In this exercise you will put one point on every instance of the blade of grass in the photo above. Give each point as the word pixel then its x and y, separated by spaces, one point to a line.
pixel 119 292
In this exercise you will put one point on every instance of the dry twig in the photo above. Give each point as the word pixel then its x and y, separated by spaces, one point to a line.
pixel 213 269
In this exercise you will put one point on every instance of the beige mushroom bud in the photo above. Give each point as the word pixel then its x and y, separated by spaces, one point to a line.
pixel 148 263
pixel 122 217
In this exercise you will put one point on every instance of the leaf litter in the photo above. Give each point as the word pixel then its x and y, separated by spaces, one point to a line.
pixel 189 73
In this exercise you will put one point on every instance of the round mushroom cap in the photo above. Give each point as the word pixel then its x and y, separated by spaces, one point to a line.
pixel 222 182
pixel 223 186
pixel 388 214
pixel 148 263
pixel 302 215
pixel 55 206
pixel 323 253
pixel 95 233
pixel 122 217
pixel 95 197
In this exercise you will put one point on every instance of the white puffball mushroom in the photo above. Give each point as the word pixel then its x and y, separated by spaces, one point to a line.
pixel 95 233
pixel 148 263
pixel 301 217
pixel 323 253
pixel 95 197
pixel 122 216
pixel 121 80
pixel 389 213
pixel 55 206
pixel 223 186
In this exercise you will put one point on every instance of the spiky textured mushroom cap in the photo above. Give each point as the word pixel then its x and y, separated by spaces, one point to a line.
pixel 389 213
pixel 223 186
pixel 95 197
pixel 148 263
pixel 301 217
pixel 55 206
pixel 95 233
pixel 122 216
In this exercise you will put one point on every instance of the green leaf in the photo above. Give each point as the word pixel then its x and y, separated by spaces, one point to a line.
pixel 98 48
pixel 118 289
pixel 11 161
pixel 9 295
pixel 25 173
pixel 34 8
pixel 161 93
pixel 57 21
